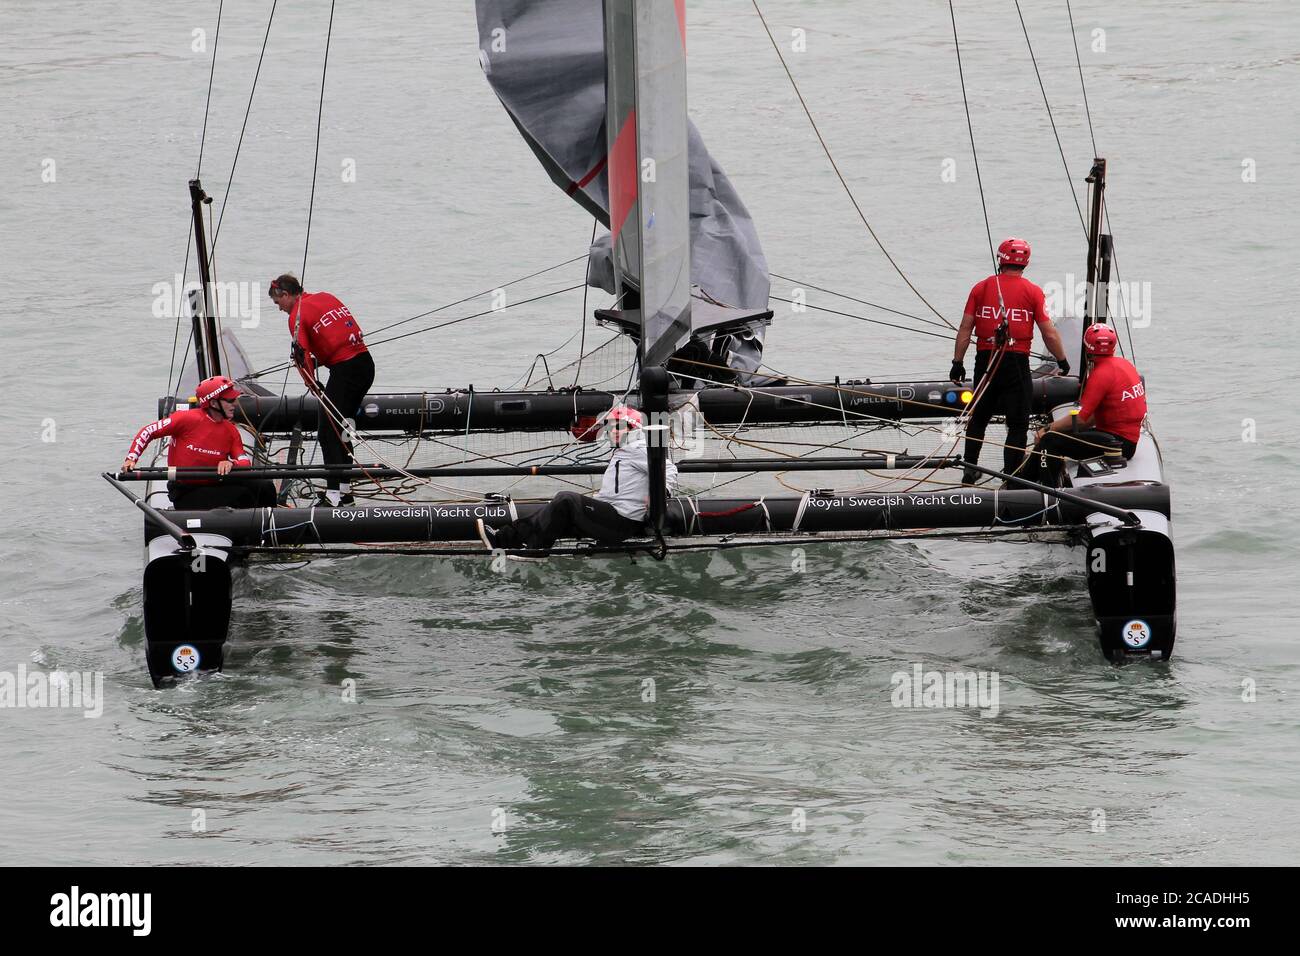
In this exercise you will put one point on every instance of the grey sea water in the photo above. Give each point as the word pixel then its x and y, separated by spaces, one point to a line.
pixel 500 718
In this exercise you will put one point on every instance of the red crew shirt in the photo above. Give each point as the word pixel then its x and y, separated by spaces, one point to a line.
pixel 196 442
pixel 1024 305
pixel 326 330
pixel 1114 397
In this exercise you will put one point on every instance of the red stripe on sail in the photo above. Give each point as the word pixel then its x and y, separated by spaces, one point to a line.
pixel 622 174
pixel 582 183
pixel 681 20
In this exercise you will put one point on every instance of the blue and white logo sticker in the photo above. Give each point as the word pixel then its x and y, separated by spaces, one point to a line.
pixel 1137 634
pixel 185 658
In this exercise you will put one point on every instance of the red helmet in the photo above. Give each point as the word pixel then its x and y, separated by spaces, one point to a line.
pixel 622 413
pixel 216 387
pixel 585 428
pixel 627 414
pixel 1013 252
pixel 1100 340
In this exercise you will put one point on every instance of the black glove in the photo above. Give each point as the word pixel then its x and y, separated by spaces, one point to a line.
pixel 298 355
pixel 1064 366
pixel 958 372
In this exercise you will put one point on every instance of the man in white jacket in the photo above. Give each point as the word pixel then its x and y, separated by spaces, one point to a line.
pixel 613 514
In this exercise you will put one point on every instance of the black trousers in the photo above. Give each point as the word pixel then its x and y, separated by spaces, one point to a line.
pixel 259 493
pixel 1086 443
pixel 568 515
pixel 348 384
pixel 1010 392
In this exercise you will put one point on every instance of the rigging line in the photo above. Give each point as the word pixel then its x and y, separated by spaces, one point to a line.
pixel 724 541
pixel 979 181
pixel 441 325
pixel 216 305
pixel 568 444
pixel 1122 303
pixel 1051 118
pixel 961 75
pixel 1119 280
pixel 338 422
pixel 839 175
pixel 466 318
pixel 586 285
pixel 1083 86
pixel 247 110
pixel 441 308
pixel 859 416
pixel 841 295
pixel 203 138
pixel 594 386
pixel 315 162
pixel 997 281
pixel 863 318
pixel 527 377
pixel 189 235
pixel 515 384
pixel 840 389
pixel 173 369
pixel 571 364
pixel 1087 110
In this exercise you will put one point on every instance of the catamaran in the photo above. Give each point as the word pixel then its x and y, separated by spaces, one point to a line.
pixel 597 89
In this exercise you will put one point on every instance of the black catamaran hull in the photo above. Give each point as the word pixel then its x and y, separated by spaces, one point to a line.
pixel 187 602
pixel 1130 570
pixel 1131 581
pixel 473 410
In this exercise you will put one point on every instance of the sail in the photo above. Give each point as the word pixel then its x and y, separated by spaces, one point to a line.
pixel 545 60
pixel 649 195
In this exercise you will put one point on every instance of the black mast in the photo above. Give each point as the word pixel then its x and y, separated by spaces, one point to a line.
pixel 196 323
pixel 1097 180
pixel 198 199
pixel 1103 279
pixel 654 405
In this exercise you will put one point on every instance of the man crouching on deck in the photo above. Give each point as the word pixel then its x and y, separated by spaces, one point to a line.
pixel 205 437
pixel 613 514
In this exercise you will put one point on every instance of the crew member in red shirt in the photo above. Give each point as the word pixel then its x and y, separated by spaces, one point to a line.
pixel 205 437
pixel 1111 409
pixel 325 333
pixel 1002 311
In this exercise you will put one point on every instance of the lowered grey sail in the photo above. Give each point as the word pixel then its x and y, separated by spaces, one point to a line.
pixel 547 61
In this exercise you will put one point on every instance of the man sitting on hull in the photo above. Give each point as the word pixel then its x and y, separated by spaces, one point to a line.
pixel 614 513
pixel 1111 410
